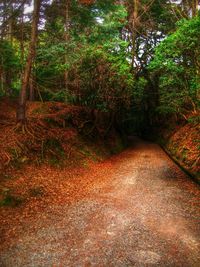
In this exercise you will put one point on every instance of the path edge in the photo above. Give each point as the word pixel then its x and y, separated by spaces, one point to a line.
pixel 193 177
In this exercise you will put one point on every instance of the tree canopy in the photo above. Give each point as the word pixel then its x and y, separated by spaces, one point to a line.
pixel 133 58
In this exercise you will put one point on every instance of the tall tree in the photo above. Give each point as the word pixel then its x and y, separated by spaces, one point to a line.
pixel 21 111
pixel 185 8
pixel 67 36
pixel 134 26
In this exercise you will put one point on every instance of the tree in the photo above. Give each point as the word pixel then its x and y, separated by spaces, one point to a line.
pixel 67 37
pixel 21 111
pixel 93 53
pixel 9 67
pixel 148 23
pixel 177 64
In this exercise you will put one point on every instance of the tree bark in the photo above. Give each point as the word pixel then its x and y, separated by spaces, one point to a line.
pixel 21 110
pixel 22 35
pixel 31 89
pixel 8 82
pixel 10 24
pixel 67 27
pixel 134 29
pixel 195 7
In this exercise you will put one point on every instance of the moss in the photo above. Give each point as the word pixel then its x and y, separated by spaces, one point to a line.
pixel 184 153
pixel 11 200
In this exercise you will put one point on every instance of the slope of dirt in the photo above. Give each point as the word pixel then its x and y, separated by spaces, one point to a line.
pixel 183 144
pixel 135 209
pixel 56 133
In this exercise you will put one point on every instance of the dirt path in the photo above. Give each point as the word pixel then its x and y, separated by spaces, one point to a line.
pixel 140 210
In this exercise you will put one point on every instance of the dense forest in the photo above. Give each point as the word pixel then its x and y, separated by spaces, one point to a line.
pixel 138 60
pixel 132 66
pixel 99 133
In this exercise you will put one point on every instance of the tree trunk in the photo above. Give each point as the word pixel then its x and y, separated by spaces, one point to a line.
pixel 134 29
pixel 22 35
pixel 2 29
pixel 31 89
pixel 195 7
pixel 21 111
pixel 2 80
pixel 10 24
pixel 8 82
pixel 67 27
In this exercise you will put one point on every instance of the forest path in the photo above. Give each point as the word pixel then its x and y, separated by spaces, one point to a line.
pixel 141 210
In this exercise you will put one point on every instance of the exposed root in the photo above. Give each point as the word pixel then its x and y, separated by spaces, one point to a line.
pixel 8 158
pixel 20 127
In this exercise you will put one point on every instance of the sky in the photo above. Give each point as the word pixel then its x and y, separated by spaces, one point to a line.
pixel 28 9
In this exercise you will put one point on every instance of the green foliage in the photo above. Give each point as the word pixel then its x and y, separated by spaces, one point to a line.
pixel 96 59
pixel 9 59
pixel 9 199
pixel 176 63
pixel 9 66
pixel 53 151
pixel 110 23
pixel 139 95
pixel 194 120
pixel 101 79
pixel 89 53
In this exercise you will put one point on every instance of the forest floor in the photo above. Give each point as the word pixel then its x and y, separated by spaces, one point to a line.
pixel 135 209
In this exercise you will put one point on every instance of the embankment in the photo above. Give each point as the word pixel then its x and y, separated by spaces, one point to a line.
pixel 55 134
pixel 182 143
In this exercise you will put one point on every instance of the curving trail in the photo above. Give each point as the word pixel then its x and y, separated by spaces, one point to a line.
pixel 141 210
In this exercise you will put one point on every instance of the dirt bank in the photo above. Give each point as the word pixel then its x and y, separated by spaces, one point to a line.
pixel 55 134
pixel 182 142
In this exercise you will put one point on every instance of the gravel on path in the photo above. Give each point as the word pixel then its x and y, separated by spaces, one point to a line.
pixel 140 210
